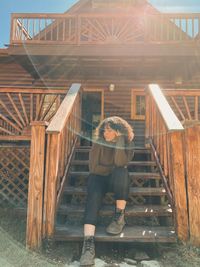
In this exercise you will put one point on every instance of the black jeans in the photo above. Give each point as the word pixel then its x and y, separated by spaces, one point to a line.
pixel 117 182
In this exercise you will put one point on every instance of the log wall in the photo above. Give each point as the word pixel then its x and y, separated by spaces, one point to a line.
pixel 118 103
pixel 12 74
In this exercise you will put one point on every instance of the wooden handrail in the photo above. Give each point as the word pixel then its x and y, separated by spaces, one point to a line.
pixel 166 111
pixel 166 135
pixel 182 92
pixel 59 15
pixel 35 90
pixel 63 112
pixel 62 134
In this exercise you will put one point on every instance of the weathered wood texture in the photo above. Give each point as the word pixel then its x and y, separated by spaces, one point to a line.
pixel 62 133
pixel 35 190
pixel 177 166
pixel 130 234
pixel 51 177
pixel 192 152
pixel 12 74
pixel 166 133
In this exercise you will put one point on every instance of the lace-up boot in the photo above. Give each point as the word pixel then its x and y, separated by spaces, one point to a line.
pixel 117 224
pixel 88 251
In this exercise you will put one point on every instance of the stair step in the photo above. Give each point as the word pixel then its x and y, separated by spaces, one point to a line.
pixel 131 163
pixel 143 175
pixel 136 150
pixel 129 234
pixel 136 191
pixel 136 211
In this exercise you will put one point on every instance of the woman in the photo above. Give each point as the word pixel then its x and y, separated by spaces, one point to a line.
pixel 108 161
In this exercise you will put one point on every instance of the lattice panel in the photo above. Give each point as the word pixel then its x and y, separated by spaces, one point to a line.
pixel 112 30
pixel 108 199
pixel 137 182
pixel 136 200
pixel 14 172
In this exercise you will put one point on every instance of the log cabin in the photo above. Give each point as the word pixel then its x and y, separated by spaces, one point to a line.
pixel 60 75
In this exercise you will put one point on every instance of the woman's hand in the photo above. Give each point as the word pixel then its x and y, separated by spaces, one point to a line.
pixel 118 133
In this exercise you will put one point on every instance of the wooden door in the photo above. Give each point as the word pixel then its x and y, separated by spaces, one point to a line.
pixel 92 112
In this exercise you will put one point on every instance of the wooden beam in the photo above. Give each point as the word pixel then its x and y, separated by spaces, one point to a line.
pixel 177 171
pixel 192 151
pixel 52 170
pixel 35 190
pixel 34 90
pixel 135 50
pixel 15 137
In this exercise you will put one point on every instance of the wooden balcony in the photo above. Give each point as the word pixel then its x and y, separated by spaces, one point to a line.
pixel 102 29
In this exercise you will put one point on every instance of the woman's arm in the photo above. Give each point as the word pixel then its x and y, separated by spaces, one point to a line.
pixel 94 162
pixel 123 154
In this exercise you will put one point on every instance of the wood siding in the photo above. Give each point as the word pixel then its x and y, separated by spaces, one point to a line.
pixel 12 74
pixel 118 103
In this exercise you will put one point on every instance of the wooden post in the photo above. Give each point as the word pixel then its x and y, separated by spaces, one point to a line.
pixel 13 29
pixel 192 141
pixel 52 170
pixel 35 188
pixel 147 117
pixel 177 167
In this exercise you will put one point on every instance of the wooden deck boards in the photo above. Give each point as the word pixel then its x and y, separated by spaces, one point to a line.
pixel 129 234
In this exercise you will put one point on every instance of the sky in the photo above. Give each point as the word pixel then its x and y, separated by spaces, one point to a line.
pixel 59 6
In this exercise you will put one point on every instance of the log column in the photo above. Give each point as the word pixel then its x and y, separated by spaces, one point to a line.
pixel 177 171
pixel 192 141
pixel 51 176
pixel 35 188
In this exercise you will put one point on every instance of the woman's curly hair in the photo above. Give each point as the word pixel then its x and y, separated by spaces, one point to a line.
pixel 117 124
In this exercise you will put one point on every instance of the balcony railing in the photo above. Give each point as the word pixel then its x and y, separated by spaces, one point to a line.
pixel 104 29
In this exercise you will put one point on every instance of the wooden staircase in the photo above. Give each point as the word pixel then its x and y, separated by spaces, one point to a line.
pixel 149 215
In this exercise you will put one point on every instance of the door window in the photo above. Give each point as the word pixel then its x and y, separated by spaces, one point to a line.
pixel 138 105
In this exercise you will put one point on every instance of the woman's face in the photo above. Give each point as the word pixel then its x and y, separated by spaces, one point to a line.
pixel 109 134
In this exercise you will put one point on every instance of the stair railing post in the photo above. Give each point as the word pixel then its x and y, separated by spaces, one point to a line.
pixel 35 188
pixel 192 151
pixel 177 171
pixel 147 118
pixel 51 175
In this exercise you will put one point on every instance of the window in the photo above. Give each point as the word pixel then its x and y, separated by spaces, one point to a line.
pixel 138 104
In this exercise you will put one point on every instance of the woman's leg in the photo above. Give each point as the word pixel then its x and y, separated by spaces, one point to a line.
pixel 120 184
pixel 121 204
pixel 95 192
pixel 96 188
pixel 89 230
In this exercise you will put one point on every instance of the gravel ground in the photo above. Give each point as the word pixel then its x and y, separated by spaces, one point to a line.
pixel 13 252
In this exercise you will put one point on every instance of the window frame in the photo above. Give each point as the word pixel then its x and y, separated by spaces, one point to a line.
pixel 134 94
pixel 102 98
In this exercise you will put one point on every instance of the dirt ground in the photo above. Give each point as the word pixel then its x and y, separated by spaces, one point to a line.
pixel 13 252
